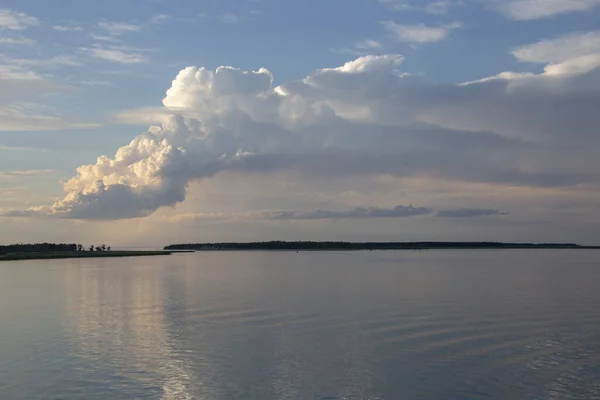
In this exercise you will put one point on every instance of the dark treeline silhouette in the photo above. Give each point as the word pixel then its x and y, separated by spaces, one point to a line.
pixel 281 245
pixel 37 247
pixel 47 248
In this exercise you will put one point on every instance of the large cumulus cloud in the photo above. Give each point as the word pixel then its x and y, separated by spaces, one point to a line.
pixel 365 117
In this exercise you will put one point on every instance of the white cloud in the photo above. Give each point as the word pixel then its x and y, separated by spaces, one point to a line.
pixel 362 48
pixel 441 7
pixel 420 33
pixel 437 7
pixel 560 49
pixel 119 28
pixel 19 118
pixel 93 82
pixel 522 10
pixel 105 38
pixel 71 61
pixel 159 19
pixel 25 173
pixel 20 148
pixel 16 21
pixel 17 40
pixel 362 119
pixel 368 44
pixel 65 28
pixel 396 5
pixel 230 18
pixel 121 55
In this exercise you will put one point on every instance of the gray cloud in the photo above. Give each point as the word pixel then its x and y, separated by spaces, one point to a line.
pixel 356 213
pixel 469 213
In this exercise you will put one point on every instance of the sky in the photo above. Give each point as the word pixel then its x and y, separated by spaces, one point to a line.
pixel 140 123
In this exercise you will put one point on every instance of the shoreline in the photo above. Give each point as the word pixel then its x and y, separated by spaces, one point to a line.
pixel 373 246
pixel 81 254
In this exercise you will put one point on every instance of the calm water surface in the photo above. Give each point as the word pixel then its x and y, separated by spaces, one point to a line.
pixel 490 324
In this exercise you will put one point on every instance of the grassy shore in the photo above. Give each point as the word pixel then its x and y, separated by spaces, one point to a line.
pixel 79 254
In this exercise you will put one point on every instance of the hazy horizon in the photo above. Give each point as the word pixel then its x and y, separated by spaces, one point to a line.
pixel 148 122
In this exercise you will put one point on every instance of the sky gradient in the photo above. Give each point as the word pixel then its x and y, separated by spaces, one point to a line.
pixel 148 122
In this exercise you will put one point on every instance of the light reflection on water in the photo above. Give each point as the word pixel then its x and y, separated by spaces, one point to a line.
pixel 243 325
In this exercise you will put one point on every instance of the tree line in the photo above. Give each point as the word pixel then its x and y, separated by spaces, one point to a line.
pixel 49 247
pixel 329 245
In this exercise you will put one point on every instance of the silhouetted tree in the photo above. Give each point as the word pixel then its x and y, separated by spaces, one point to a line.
pixel 98 248
pixel 79 247
pixel 103 247
pixel 92 248
pixel 108 248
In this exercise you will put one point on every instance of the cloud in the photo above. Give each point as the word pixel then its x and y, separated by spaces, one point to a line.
pixel 159 19
pixel 16 21
pixel 25 173
pixel 119 28
pixel 522 10
pixel 17 81
pixel 18 118
pixel 560 49
pixel 355 213
pixel 368 44
pixel 396 5
pixel 364 118
pixel 438 7
pixel 20 148
pixel 361 48
pixel 420 33
pixel 17 40
pixel 469 213
pixel 441 7
pixel 117 54
pixel 105 38
pixel 230 18
pixel 64 28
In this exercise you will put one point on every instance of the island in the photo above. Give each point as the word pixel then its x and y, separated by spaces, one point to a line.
pixel 41 251
pixel 315 246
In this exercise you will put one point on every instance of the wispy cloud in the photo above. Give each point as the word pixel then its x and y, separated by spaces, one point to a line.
pixel 42 63
pixel 105 38
pixel 560 49
pixel 396 5
pixel 419 33
pixel 522 10
pixel 119 28
pixel 230 18
pixel 20 118
pixel 356 213
pixel 117 54
pixel 361 48
pixel 441 7
pixel 20 148
pixel 95 83
pixel 437 7
pixel 159 19
pixel 64 28
pixel 17 40
pixel 16 21
pixel 469 213
pixel 25 173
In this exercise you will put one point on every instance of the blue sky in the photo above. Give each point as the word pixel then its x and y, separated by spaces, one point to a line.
pixel 79 79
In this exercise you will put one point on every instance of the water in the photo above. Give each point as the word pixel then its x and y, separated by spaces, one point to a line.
pixel 446 325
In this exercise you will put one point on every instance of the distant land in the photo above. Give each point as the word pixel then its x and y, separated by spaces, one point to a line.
pixel 309 246
pixel 76 254
pixel 43 251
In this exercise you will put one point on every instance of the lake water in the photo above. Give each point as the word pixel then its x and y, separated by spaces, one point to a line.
pixel 448 325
